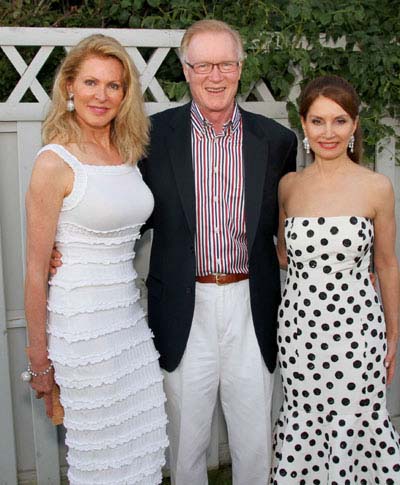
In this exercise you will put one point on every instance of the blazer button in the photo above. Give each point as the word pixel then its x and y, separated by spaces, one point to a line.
pixel 188 290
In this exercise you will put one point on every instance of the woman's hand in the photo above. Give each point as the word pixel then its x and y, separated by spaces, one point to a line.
pixel 390 360
pixel 43 385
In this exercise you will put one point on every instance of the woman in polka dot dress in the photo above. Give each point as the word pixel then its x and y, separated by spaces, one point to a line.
pixel 337 344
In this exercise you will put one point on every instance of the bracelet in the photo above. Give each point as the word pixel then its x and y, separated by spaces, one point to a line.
pixel 27 375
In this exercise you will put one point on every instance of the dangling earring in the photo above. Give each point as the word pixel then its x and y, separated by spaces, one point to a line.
pixel 306 145
pixel 70 103
pixel 351 144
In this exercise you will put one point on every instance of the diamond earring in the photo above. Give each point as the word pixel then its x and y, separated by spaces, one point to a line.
pixel 306 145
pixel 351 144
pixel 70 103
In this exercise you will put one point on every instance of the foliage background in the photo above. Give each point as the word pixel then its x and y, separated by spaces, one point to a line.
pixel 274 32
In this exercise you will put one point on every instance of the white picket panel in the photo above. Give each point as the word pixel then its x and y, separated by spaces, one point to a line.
pixel 67 37
pixel 8 459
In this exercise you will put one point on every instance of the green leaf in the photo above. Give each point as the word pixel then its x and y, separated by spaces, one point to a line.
pixel 138 4
pixel 293 115
pixel 123 16
pixel 293 10
pixel 175 90
pixel 325 18
pixel 134 22
pixel 154 3
pixel 114 9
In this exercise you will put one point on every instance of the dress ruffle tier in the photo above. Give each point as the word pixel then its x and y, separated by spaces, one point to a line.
pixel 105 362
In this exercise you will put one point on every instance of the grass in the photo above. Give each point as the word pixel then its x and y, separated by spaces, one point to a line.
pixel 222 476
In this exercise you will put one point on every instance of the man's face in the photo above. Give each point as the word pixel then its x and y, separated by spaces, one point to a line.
pixel 215 92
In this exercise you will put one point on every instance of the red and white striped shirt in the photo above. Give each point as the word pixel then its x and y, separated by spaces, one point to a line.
pixel 221 243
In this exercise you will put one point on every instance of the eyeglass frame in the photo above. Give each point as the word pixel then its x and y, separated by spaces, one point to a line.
pixel 213 64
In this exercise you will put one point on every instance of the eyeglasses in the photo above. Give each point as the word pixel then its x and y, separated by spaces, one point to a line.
pixel 207 67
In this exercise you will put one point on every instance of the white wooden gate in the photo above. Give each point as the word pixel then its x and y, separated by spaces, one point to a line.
pixel 31 450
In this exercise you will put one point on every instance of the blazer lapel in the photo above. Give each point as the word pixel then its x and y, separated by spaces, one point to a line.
pixel 255 159
pixel 180 149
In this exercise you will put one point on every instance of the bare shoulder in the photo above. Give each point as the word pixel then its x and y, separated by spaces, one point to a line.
pixel 288 180
pixel 374 181
pixel 49 161
pixel 51 171
pixel 382 190
pixel 286 185
pixel 365 173
pixel 378 188
pixel 382 183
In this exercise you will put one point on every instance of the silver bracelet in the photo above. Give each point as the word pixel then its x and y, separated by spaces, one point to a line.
pixel 27 375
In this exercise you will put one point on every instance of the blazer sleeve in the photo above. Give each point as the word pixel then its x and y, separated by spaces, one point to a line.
pixel 289 164
pixel 142 165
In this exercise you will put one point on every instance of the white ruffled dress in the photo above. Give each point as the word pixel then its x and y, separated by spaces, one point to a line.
pixel 99 341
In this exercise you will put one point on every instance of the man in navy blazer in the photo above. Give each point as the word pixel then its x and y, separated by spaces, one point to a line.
pixel 213 283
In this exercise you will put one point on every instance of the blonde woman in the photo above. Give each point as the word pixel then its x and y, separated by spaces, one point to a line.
pixel 86 194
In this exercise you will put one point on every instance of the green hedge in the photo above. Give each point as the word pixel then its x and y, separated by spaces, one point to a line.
pixel 272 30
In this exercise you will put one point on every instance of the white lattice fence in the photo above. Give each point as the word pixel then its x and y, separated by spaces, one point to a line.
pixel 162 41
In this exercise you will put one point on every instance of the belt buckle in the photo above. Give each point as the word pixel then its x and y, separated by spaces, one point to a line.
pixel 217 278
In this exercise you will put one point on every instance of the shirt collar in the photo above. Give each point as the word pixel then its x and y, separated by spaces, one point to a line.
pixel 202 125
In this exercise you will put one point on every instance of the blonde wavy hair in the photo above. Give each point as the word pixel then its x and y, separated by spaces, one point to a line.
pixel 129 129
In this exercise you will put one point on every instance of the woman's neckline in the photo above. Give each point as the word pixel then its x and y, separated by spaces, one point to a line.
pixel 90 165
pixel 349 216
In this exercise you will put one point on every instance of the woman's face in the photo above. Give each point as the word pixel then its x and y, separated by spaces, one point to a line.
pixel 98 91
pixel 328 128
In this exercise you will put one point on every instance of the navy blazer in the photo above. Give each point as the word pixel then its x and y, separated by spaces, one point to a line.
pixel 269 151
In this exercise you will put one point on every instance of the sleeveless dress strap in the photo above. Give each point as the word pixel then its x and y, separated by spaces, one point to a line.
pixel 80 175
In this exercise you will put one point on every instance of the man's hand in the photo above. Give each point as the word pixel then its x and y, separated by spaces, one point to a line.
pixel 55 261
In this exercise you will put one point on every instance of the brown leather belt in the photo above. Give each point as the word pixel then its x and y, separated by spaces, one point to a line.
pixel 222 279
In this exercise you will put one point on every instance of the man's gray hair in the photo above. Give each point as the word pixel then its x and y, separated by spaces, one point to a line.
pixel 203 26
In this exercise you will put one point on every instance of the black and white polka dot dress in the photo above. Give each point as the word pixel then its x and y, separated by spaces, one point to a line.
pixel 333 428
